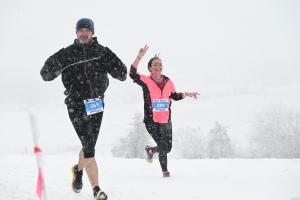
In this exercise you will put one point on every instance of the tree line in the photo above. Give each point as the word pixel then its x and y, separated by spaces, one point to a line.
pixel 275 133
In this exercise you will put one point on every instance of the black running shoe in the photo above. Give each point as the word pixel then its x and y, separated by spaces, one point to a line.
pixel 149 154
pixel 99 194
pixel 77 179
pixel 166 174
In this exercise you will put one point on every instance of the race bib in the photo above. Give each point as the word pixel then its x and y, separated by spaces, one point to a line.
pixel 93 106
pixel 160 105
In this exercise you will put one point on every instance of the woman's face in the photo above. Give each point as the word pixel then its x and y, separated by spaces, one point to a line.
pixel 156 67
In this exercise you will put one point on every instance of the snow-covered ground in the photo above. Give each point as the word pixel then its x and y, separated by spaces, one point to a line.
pixel 135 179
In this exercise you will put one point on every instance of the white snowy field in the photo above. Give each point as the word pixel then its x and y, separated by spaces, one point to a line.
pixel 135 179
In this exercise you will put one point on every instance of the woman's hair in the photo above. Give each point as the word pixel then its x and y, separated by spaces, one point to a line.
pixel 151 60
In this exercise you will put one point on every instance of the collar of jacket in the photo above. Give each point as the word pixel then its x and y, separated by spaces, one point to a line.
pixel 77 43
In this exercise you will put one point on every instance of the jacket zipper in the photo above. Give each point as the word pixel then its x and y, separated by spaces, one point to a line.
pixel 84 58
pixel 161 90
pixel 70 89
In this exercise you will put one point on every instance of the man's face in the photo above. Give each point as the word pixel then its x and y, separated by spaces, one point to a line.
pixel 84 35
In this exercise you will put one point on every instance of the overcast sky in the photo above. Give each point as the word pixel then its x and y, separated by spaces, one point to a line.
pixel 202 43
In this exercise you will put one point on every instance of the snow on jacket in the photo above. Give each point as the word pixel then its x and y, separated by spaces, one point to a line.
pixel 151 92
pixel 84 69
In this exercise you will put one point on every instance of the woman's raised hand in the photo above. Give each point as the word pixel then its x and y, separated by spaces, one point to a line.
pixel 142 51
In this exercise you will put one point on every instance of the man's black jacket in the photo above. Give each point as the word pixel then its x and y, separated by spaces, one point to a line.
pixel 84 69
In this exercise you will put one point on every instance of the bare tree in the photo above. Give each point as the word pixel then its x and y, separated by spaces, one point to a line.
pixel 276 133
pixel 190 143
pixel 132 145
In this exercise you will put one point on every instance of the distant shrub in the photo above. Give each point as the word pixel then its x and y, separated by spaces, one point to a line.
pixel 276 133
pixel 189 143
pixel 219 144
pixel 192 144
pixel 133 144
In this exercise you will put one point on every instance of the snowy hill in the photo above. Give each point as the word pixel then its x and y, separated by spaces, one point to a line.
pixel 237 72
pixel 234 110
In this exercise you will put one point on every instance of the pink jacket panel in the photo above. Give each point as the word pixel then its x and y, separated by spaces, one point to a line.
pixel 157 93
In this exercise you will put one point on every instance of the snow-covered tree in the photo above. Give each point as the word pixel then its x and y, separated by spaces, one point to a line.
pixel 276 133
pixel 133 144
pixel 189 143
pixel 219 145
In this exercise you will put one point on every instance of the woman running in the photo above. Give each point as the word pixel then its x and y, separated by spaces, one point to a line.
pixel 158 90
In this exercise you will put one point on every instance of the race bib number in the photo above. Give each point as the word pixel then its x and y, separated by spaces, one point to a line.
pixel 160 105
pixel 93 106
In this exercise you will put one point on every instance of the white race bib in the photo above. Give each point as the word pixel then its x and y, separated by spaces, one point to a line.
pixel 93 106
pixel 160 105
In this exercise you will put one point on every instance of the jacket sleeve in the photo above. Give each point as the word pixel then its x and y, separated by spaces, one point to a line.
pixel 133 75
pixel 175 95
pixel 136 77
pixel 53 66
pixel 115 67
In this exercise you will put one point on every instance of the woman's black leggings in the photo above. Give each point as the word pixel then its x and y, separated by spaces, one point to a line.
pixel 86 126
pixel 162 135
